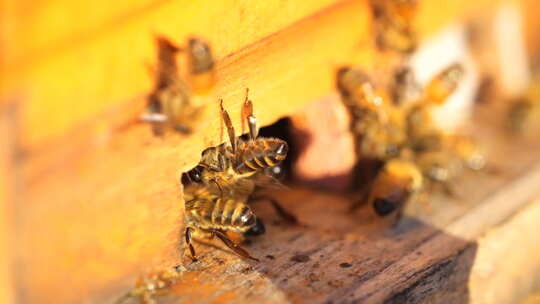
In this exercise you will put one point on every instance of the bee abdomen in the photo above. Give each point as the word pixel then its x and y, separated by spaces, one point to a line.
pixel 260 154
pixel 223 214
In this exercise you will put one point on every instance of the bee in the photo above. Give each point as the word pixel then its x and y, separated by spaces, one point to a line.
pixel 212 215
pixel 147 287
pixel 378 125
pixel 394 185
pixel 201 65
pixel 171 103
pixel 393 21
pixel 238 162
pixel 524 112
pixel 422 131
pixel 219 189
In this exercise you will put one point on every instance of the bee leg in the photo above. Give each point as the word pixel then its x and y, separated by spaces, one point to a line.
pixel 188 242
pixel 291 218
pixel 234 247
pixel 228 125
pixel 397 217
pixel 250 118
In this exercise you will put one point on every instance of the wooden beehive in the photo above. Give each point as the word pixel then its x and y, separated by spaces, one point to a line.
pixel 90 197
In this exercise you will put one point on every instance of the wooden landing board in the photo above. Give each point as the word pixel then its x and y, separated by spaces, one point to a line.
pixel 481 247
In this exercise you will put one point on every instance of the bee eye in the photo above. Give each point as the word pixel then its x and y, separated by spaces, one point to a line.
pixel 383 207
pixel 196 175
pixel 258 229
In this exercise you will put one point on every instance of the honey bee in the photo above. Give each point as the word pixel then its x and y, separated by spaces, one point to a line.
pixel 378 125
pixel 423 134
pixel 238 162
pixel 393 24
pixel 213 215
pixel 394 185
pixel 147 287
pixel 201 66
pixel 219 189
pixel 171 103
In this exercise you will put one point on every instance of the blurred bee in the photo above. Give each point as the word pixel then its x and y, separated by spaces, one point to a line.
pixel 393 24
pixel 394 185
pixel 423 134
pixel 201 66
pixel 171 103
pixel 378 125
pixel 146 288
pixel 524 112
pixel 212 215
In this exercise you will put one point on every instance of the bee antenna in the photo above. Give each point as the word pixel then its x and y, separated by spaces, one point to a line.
pixel 247 94
pixel 228 124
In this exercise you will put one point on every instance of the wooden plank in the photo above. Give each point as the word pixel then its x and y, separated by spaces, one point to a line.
pixel 115 74
pixel 50 28
pixel 506 268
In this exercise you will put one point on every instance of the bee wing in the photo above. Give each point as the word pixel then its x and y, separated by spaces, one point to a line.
pixel 265 181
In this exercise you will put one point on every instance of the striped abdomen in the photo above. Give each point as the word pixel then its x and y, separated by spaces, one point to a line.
pixel 222 214
pixel 260 154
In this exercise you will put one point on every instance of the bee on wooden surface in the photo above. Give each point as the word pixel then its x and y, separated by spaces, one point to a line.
pixel 147 287
pixel 394 185
pixel 393 24
pixel 171 103
pixel 422 131
pixel 218 190
pixel 201 66
pixel 212 215
pixel 378 125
